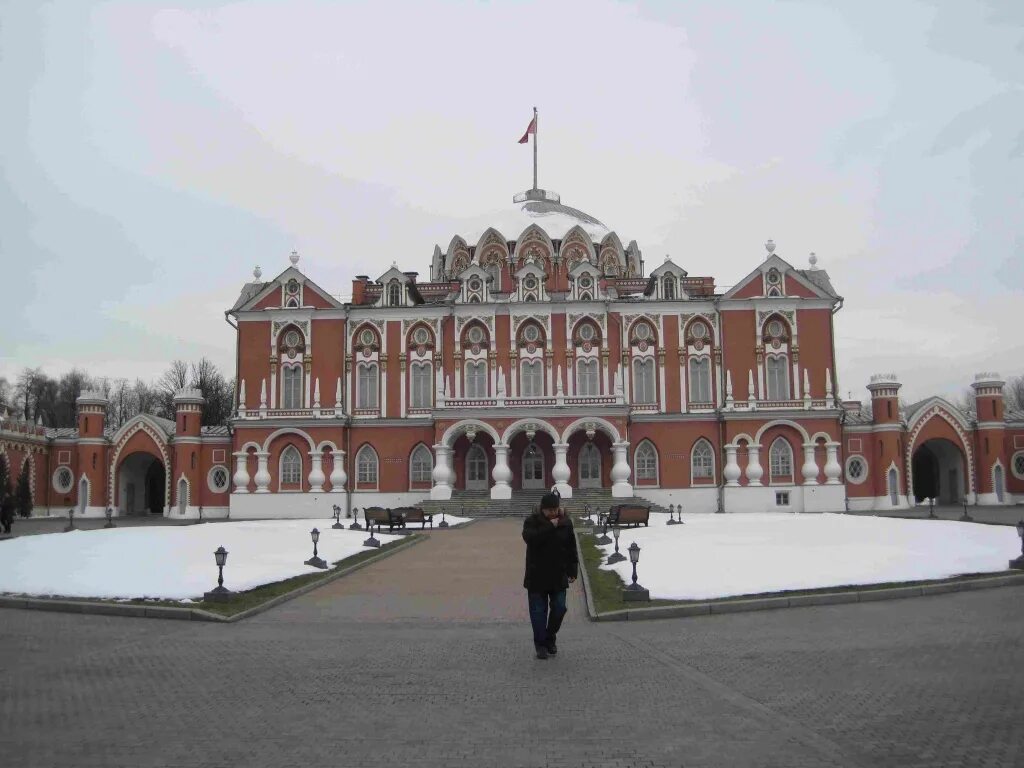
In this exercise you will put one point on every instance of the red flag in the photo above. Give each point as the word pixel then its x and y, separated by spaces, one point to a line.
pixel 531 128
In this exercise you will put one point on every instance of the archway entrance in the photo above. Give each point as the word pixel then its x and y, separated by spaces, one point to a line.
pixel 533 467
pixel 477 474
pixel 141 484
pixel 938 468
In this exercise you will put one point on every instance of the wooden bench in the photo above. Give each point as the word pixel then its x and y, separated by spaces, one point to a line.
pixel 415 515
pixel 626 515
pixel 378 516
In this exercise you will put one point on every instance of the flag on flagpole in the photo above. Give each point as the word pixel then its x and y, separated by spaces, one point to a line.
pixel 531 128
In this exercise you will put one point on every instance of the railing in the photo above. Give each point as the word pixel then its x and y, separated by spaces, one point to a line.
pixel 591 400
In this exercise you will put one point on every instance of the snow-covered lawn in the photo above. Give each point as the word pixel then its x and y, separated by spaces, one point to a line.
pixel 740 554
pixel 172 563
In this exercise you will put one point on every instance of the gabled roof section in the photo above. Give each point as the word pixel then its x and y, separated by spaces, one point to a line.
pixel 256 296
pixel 669 266
pixel 916 411
pixel 394 274
pixel 741 289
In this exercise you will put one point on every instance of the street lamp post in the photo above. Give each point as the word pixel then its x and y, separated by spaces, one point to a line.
pixel 444 523
pixel 616 556
pixel 1018 564
pixel 110 522
pixel 355 520
pixel 316 561
pixel 71 520
pixel 966 518
pixel 634 592
pixel 219 594
pixel 587 520
pixel 931 508
pixel 671 512
pixel 373 541
pixel 338 525
pixel 603 538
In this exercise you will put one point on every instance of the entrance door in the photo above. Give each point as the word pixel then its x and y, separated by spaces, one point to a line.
pixel 533 467
pixel 894 487
pixel 590 466
pixel 997 480
pixel 476 469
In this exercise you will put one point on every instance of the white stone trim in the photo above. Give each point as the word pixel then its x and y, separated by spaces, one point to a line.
pixel 1013 465
pixel 846 469
pixel 59 489
pixel 209 478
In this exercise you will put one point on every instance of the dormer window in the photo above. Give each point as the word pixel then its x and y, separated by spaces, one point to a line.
pixel 394 294
pixel 668 287
pixel 773 281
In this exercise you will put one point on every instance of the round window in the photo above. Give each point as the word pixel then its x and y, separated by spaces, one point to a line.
pixel 774 278
pixel 474 285
pixel 1017 465
pixel 293 286
pixel 530 283
pixel 63 479
pixel 366 337
pixel 291 339
pixel 218 479
pixel 699 330
pixel 643 331
pixel 856 470
pixel 531 333
pixel 421 336
pixel 775 329
pixel 476 334
pixel 585 281
pixel 586 332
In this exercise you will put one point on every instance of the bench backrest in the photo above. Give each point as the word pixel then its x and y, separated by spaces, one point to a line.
pixel 633 514
pixel 409 513
pixel 376 514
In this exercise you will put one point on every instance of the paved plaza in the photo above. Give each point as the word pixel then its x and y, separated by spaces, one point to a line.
pixel 425 659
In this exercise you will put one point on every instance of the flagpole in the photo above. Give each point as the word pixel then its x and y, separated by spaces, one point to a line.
pixel 535 127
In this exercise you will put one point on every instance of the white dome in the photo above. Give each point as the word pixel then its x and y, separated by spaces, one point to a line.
pixel 551 216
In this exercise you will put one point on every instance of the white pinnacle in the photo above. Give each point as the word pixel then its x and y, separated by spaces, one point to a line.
pixel 294 258
pixel 257 273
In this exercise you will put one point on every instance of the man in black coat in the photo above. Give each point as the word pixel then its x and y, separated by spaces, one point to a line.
pixel 551 565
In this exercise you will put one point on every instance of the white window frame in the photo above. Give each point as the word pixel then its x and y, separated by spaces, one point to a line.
pixel 668 286
pixel 700 379
pixel 209 479
pixel 285 473
pixel 702 443
pixel 295 388
pixel 421 377
pixel 367 386
pixel 394 294
pixel 531 378
pixel 588 377
pixel 417 464
pixel 776 375
pixel 645 389
pixel 846 470
pixel 776 471
pixel 56 473
pixel 1013 465
pixel 363 462
pixel 476 378
pixel 646 445
pixel 782 499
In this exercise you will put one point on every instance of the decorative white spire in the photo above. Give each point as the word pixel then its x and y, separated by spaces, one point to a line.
pixel 263 395
pixel 241 395
pixel 807 383
pixel 337 395
pixel 728 384
pixel 316 392
pixel 294 258
pixel 558 381
pixel 770 245
pixel 257 273
pixel 828 383
pixel 813 260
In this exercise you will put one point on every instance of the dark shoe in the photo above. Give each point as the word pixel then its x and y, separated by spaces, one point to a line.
pixel 552 648
pixel 542 652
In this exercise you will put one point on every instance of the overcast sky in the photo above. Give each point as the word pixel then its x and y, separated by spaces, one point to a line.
pixel 151 156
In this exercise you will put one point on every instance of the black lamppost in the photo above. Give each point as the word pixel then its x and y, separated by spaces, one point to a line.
pixel 219 594
pixel 444 523
pixel 338 525
pixel 110 522
pixel 931 508
pixel 1019 562
pixel 71 520
pixel 634 591
pixel 603 538
pixel 966 518
pixel 587 520
pixel 315 560
pixel 355 520
pixel 671 512
pixel 373 541
pixel 616 556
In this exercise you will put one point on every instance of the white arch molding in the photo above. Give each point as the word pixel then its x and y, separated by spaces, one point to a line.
pixel 522 426
pixel 288 431
pixel 922 418
pixel 605 426
pixel 452 433
pixel 782 422
pixel 126 433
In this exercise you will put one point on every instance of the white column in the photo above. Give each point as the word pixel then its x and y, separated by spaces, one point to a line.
pixel 383 389
pixel 262 473
pixel 241 478
pixel 832 468
pixel 810 468
pixel 501 473
pixel 316 473
pixel 621 471
pixel 731 472
pixel 561 472
pixel 754 469
pixel 402 399
pixel 442 474
pixel 338 476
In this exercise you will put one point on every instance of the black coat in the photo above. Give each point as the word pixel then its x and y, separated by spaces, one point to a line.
pixel 550 554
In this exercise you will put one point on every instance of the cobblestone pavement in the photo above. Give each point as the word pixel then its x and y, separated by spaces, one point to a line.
pixel 424 659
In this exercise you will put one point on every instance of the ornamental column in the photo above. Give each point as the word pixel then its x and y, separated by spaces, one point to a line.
pixel 621 471
pixel 501 473
pixel 561 472
pixel 316 473
pixel 262 472
pixel 441 474
pixel 810 468
pixel 731 473
pixel 832 468
pixel 241 478
pixel 338 476
pixel 754 470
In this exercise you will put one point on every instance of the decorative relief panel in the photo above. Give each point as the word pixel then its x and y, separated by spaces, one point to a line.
pixel 277 325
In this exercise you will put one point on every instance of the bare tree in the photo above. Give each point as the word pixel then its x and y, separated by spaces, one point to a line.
pixel 1013 393
pixel 5 394
pixel 174 378
pixel 28 391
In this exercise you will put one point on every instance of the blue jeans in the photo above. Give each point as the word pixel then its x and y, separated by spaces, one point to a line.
pixel 547 609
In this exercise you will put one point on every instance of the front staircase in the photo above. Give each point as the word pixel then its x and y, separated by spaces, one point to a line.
pixel 479 504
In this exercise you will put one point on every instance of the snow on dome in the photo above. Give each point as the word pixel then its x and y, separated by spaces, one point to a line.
pixel 550 215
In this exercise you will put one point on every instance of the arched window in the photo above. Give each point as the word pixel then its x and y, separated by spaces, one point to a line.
pixel 422 375
pixel 476 378
pixel 777 377
pixel 366 467
pixel 394 294
pixel 291 387
pixel 702 461
pixel 668 287
pixel 366 395
pixel 780 459
pixel 421 464
pixel 646 462
pixel 532 380
pixel 587 378
pixel 700 379
pixel 643 381
pixel 291 466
